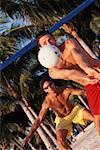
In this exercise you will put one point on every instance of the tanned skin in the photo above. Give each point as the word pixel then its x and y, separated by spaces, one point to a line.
pixel 58 100
pixel 75 64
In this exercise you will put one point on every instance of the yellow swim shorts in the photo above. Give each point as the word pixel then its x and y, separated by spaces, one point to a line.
pixel 76 116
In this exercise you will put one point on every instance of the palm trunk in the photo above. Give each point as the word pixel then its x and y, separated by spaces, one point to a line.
pixel 52 128
pixel 86 48
pixel 12 146
pixel 20 140
pixel 39 130
pixel 81 99
pixel 15 142
pixel 32 147
pixel 29 115
pixel 3 147
pixel 45 129
pixel 72 31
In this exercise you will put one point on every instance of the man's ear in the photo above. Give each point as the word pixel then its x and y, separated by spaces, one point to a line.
pixel 39 46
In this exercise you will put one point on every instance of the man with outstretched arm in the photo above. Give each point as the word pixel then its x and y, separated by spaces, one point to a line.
pixel 57 99
pixel 77 65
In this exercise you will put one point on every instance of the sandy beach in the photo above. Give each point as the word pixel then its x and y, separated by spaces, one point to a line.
pixel 87 140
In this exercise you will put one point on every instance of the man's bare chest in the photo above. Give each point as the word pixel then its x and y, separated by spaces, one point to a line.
pixel 61 106
pixel 68 59
pixel 59 102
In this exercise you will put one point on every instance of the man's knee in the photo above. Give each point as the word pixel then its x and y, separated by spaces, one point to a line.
pixel 61 139
pixel 61 135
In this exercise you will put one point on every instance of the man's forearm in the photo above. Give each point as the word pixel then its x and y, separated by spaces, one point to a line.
pixel 68 74
pixel 35 125
pixel 73 74
pixel 92 72
pixel 78 92
pixel 79 77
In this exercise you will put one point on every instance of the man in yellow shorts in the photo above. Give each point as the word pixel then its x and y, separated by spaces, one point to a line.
pixel 76 116
pixel 58 100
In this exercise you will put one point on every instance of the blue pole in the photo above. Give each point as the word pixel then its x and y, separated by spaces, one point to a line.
pixel 52 29
pixel 71 15
pixel 17 55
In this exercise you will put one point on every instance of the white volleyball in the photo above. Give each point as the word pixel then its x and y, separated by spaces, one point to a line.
pixel 49 55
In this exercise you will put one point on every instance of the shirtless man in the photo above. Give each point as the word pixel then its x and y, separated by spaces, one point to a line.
pixel 77 65
pixel 58 100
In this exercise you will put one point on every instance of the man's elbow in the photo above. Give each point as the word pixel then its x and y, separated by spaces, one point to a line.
pixel 82 92
pixel 53 74
pixel 71 43
pixel 61 73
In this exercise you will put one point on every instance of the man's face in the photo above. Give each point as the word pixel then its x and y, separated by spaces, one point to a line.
pixel 47 39
pixel 49 87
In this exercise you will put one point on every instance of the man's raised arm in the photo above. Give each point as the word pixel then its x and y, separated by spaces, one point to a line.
pixel 71 74
pixel 78 91
pixel 83 59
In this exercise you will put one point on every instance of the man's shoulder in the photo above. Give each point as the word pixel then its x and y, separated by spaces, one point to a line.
pixel 54 72
pixel 62 46
pixel 67 89
pixel 47 97
pixel 46 100
pixel 70 41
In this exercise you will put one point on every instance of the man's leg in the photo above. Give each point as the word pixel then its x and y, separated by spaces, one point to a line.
pixel 97 123
pixel 87 115
pixel 61 138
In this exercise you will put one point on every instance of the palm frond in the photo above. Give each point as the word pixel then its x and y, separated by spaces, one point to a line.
pixel 10 7
pixel 6 47
pixel 19 29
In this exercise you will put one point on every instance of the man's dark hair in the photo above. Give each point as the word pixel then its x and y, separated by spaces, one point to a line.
pixel 44 80
pixel 40 34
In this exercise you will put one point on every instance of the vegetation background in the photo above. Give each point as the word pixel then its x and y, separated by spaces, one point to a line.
pixel 20 95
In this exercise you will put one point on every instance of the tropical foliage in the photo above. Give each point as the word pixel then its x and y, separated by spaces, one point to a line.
pixel 20 20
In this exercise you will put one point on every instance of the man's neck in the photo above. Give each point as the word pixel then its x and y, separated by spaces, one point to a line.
pixel 62 46
pixel 61 63
pixel 55 93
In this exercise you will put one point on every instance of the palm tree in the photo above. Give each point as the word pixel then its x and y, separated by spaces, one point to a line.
pixel 19 23
pixel 31 118
pixel 71 30
pixel 41 133
pixel 45 129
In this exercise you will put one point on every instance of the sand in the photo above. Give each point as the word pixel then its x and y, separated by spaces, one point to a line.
pixel 87 140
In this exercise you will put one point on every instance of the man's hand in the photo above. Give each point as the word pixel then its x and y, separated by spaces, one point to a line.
pixel 69 29
pixel 97 76
pixel 91 80
pixel 27 139
pixel 94 73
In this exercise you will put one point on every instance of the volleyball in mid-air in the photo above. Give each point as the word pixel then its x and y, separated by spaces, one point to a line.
pixel 49 55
